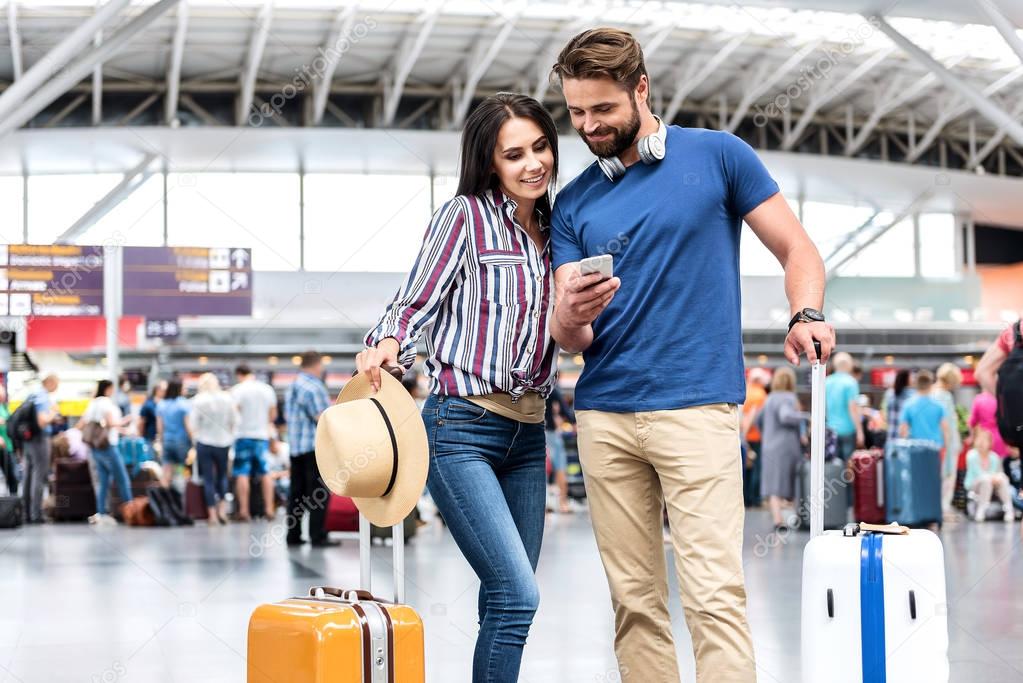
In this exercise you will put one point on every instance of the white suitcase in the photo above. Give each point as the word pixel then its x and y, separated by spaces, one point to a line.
pixel 874 608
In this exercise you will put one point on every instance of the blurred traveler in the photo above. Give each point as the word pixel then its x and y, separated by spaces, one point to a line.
pixel 36 448
pixel 257 410
pixel 122 397
pixel 895 398
pixel 657 401
pixel 8 462
pixel 103 417
pixel 923 417
pixel 1013 468
pixel 985 475
pixel 481 292
pixel 306 398
pixel 212 421
pixel 553 422
pixel 984 413
pixel 278 464
pixel 842 411
pixel 756 394
pixel 147 413
pixel 949 380
pixel 994 357
pixel 780 421
pixel 172 429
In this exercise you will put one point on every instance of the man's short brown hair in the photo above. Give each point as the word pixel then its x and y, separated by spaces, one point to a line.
pixel 310 359
pixel 602 53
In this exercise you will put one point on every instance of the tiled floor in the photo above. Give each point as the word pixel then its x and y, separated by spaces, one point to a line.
pixel 80 603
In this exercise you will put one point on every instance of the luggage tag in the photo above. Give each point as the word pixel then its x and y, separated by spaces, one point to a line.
pixel 894 529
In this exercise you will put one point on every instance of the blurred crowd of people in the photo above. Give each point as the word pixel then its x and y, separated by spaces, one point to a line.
pixel 224 441
pixel 921 404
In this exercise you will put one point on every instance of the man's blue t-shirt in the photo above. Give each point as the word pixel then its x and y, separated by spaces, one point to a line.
pixel 44 403
pixel 839 389
pixel 173 413
pixel 148 415
pixel 924 415
pixel 672 335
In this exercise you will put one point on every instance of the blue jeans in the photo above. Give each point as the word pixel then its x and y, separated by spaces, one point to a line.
pixel 487 477
pixel 110 465
pixel 1017 500
pixel 175 452
pixel 556 446
pixel 213 470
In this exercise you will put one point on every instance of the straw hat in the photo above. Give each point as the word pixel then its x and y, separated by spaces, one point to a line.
pixel 372 447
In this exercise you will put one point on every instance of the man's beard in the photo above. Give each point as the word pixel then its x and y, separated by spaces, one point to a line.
pixel 621 139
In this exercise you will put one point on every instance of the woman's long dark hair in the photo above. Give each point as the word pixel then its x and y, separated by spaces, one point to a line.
pixel 173 389
pixel 479 139
pixel 102 386
pixel 901 382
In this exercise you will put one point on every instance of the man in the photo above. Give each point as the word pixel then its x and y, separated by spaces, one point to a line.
pixel 306 399
pixel 257 410
pixel 923 417
pixel 147 413
pixel 842 410
pixel 37 449
pixel 756 394
pixel 994 357
pixel 662 344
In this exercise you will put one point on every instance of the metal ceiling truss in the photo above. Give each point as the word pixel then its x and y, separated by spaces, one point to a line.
pixel 873 105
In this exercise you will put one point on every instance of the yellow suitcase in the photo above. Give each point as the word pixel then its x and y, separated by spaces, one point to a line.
pixel 338 635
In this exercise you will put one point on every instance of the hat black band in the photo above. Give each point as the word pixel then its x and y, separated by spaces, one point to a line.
pixel 394 446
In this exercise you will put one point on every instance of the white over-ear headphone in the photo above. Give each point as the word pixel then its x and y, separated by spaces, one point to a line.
pixel 651 150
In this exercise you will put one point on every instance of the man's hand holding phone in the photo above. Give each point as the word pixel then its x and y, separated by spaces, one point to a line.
pixel 588 292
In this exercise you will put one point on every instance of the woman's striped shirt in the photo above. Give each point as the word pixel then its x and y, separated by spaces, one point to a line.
pixel 481 295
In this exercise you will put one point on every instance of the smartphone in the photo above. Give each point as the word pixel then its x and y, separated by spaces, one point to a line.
pixel 603 264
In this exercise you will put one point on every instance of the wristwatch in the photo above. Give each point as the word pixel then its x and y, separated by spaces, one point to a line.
pixel 807 315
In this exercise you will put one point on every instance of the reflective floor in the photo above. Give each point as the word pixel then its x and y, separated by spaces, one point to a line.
pixel 81 603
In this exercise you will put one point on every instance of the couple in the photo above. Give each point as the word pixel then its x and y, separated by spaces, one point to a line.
pixel 495 291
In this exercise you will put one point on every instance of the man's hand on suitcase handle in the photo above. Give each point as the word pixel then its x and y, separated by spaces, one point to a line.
pixel 802 337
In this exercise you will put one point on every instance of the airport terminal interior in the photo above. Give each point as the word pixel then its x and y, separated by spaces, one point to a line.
pixel 217 200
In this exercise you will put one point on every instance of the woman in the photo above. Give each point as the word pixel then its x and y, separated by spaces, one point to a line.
pixel 212 421
pixel 172 429
pixel 895 399
pixel 949 380
pixel 984 476
pixel 779 422
pixel 480 292
pixel 107 461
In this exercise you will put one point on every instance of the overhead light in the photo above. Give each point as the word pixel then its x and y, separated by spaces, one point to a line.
pixel 296 360
pixel 889 360
pixel 272 360
pixel 577 359
pixel 762 359
pixel 203 360
pixel 968 360
pixel 327 360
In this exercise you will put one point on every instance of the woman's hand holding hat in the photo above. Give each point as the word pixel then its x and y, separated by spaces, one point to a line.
pixel 371 360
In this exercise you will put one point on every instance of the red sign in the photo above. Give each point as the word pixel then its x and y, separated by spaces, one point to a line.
pixel 969 377
pixel 883 377
pixel 79 334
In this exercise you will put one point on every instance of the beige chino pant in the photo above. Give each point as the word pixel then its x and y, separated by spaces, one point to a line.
pixel 634 463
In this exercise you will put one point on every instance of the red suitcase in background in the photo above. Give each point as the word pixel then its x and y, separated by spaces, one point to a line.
pixel 868 486
pixel 342 515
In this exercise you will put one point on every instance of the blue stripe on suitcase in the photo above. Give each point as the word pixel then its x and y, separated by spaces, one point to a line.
pixel 872 609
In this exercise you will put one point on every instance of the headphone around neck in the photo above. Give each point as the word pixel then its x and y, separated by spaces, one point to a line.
pixel 651 150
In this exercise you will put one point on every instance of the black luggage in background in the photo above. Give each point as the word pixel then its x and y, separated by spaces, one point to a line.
pixel 12 511
pixel 73 497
